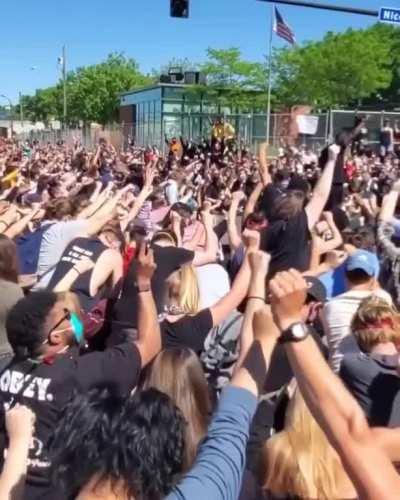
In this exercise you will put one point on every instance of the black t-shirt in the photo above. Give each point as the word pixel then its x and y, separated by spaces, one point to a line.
pixel 189 331
pixel 168 260
pixel 75 251
pixel 289 244
pixel 373 381
pixel 47 388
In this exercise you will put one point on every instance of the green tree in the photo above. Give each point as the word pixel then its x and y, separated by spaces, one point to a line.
pixel 45 105
pixel 341 69
pixel 93 91
pixel 391 35
pixel 233 81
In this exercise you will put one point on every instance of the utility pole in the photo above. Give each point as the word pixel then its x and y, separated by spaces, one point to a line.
pixel 21 111
pixel 64 76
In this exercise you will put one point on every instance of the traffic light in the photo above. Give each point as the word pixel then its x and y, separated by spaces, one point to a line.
pixel 180 8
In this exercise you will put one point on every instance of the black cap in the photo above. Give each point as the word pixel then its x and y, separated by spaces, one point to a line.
pixel 316 289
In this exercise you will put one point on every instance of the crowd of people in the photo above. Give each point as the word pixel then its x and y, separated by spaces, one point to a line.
pixel 208 323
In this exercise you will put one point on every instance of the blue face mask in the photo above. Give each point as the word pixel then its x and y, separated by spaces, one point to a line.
pixel 77 327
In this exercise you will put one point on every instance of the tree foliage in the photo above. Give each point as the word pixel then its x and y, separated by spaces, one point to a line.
pixel 340 69
pixel 233 81
pixel 93 92
pixel 45 105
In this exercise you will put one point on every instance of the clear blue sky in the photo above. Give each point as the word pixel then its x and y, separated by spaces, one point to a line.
pixel 33 32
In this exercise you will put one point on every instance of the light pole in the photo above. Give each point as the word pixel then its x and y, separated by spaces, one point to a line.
pixel 11 113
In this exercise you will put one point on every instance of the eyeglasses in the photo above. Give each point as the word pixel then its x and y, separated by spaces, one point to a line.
pixel 67 315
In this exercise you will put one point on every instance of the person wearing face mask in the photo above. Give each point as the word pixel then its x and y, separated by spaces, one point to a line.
pixel 50 366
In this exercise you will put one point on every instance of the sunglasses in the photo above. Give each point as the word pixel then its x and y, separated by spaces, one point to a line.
pixel 67 316
pixel 75 322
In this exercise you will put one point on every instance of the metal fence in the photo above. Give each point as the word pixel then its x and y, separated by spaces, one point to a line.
pixel 251 128
pixel 345 119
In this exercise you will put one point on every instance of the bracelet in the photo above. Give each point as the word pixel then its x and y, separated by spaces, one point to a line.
pixel 75 269
pixel 143 289
pixel 5 223
pixel 254 297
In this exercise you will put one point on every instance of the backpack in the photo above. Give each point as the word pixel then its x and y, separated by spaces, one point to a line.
pixel 28 249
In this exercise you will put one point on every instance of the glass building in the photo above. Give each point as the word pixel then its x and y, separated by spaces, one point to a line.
pixel 172 110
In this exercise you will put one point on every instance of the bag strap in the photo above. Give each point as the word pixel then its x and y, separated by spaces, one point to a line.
pixel 49 270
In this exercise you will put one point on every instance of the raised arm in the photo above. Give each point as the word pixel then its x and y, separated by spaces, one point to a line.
pixel 218 470
pixel 96 201
pixel 385 227
pixel 253 198
pixel 146 191
pixel 20 424
pixel 18 227
pixel 65 284
pixel 322 189
pixel 389 203
pixel 149 335
pixel 264 171
pixel 240 286
pixel 104 214
pixel 235 239
pixel 259 263
pixel 210 252
pixel 336 240
pixel 333 407
pixel 8 218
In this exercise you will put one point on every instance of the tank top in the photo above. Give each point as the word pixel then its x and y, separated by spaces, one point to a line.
pixel 75 251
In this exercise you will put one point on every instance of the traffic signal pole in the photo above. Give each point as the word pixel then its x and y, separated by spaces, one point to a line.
pixel 324 6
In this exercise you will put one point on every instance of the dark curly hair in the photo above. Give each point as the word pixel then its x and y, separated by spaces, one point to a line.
pixel 85 431
pixel 138 442
pixel 26 321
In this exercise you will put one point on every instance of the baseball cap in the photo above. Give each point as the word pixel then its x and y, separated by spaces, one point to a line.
pixel 364 260
pixel 316 289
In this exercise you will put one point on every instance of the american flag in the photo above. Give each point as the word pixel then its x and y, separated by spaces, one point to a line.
pixel 282 29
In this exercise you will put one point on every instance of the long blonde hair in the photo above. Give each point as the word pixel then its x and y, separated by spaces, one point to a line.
pixel 178 373
pixel 299 461
pixel 184 290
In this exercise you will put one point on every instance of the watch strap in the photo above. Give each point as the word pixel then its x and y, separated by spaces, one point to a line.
pixel 287 335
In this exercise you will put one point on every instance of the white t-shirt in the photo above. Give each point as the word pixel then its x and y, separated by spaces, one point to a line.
pixel 54 241
pixel 337 316
pixel 172 192
pixel 213 283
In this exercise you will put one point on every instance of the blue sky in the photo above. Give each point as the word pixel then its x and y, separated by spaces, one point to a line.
pixel 33 33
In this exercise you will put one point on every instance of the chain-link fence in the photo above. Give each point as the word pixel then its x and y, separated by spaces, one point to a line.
pixel 251 128
pixel 118 135
pixel 345 119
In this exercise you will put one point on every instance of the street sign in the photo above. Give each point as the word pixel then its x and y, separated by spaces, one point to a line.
pixel 389 15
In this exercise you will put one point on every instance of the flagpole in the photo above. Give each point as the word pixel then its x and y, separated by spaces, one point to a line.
pixel 64 77
pixel 270 76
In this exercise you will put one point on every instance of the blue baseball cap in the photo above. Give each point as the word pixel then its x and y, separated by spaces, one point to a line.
pixel 366 261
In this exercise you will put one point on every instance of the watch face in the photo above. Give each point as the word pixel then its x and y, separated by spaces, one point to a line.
pixel 299 331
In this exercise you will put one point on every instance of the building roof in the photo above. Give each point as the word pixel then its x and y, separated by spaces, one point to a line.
pixel 155 86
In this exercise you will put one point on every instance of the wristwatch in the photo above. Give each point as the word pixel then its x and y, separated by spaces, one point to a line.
pixel 295 333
